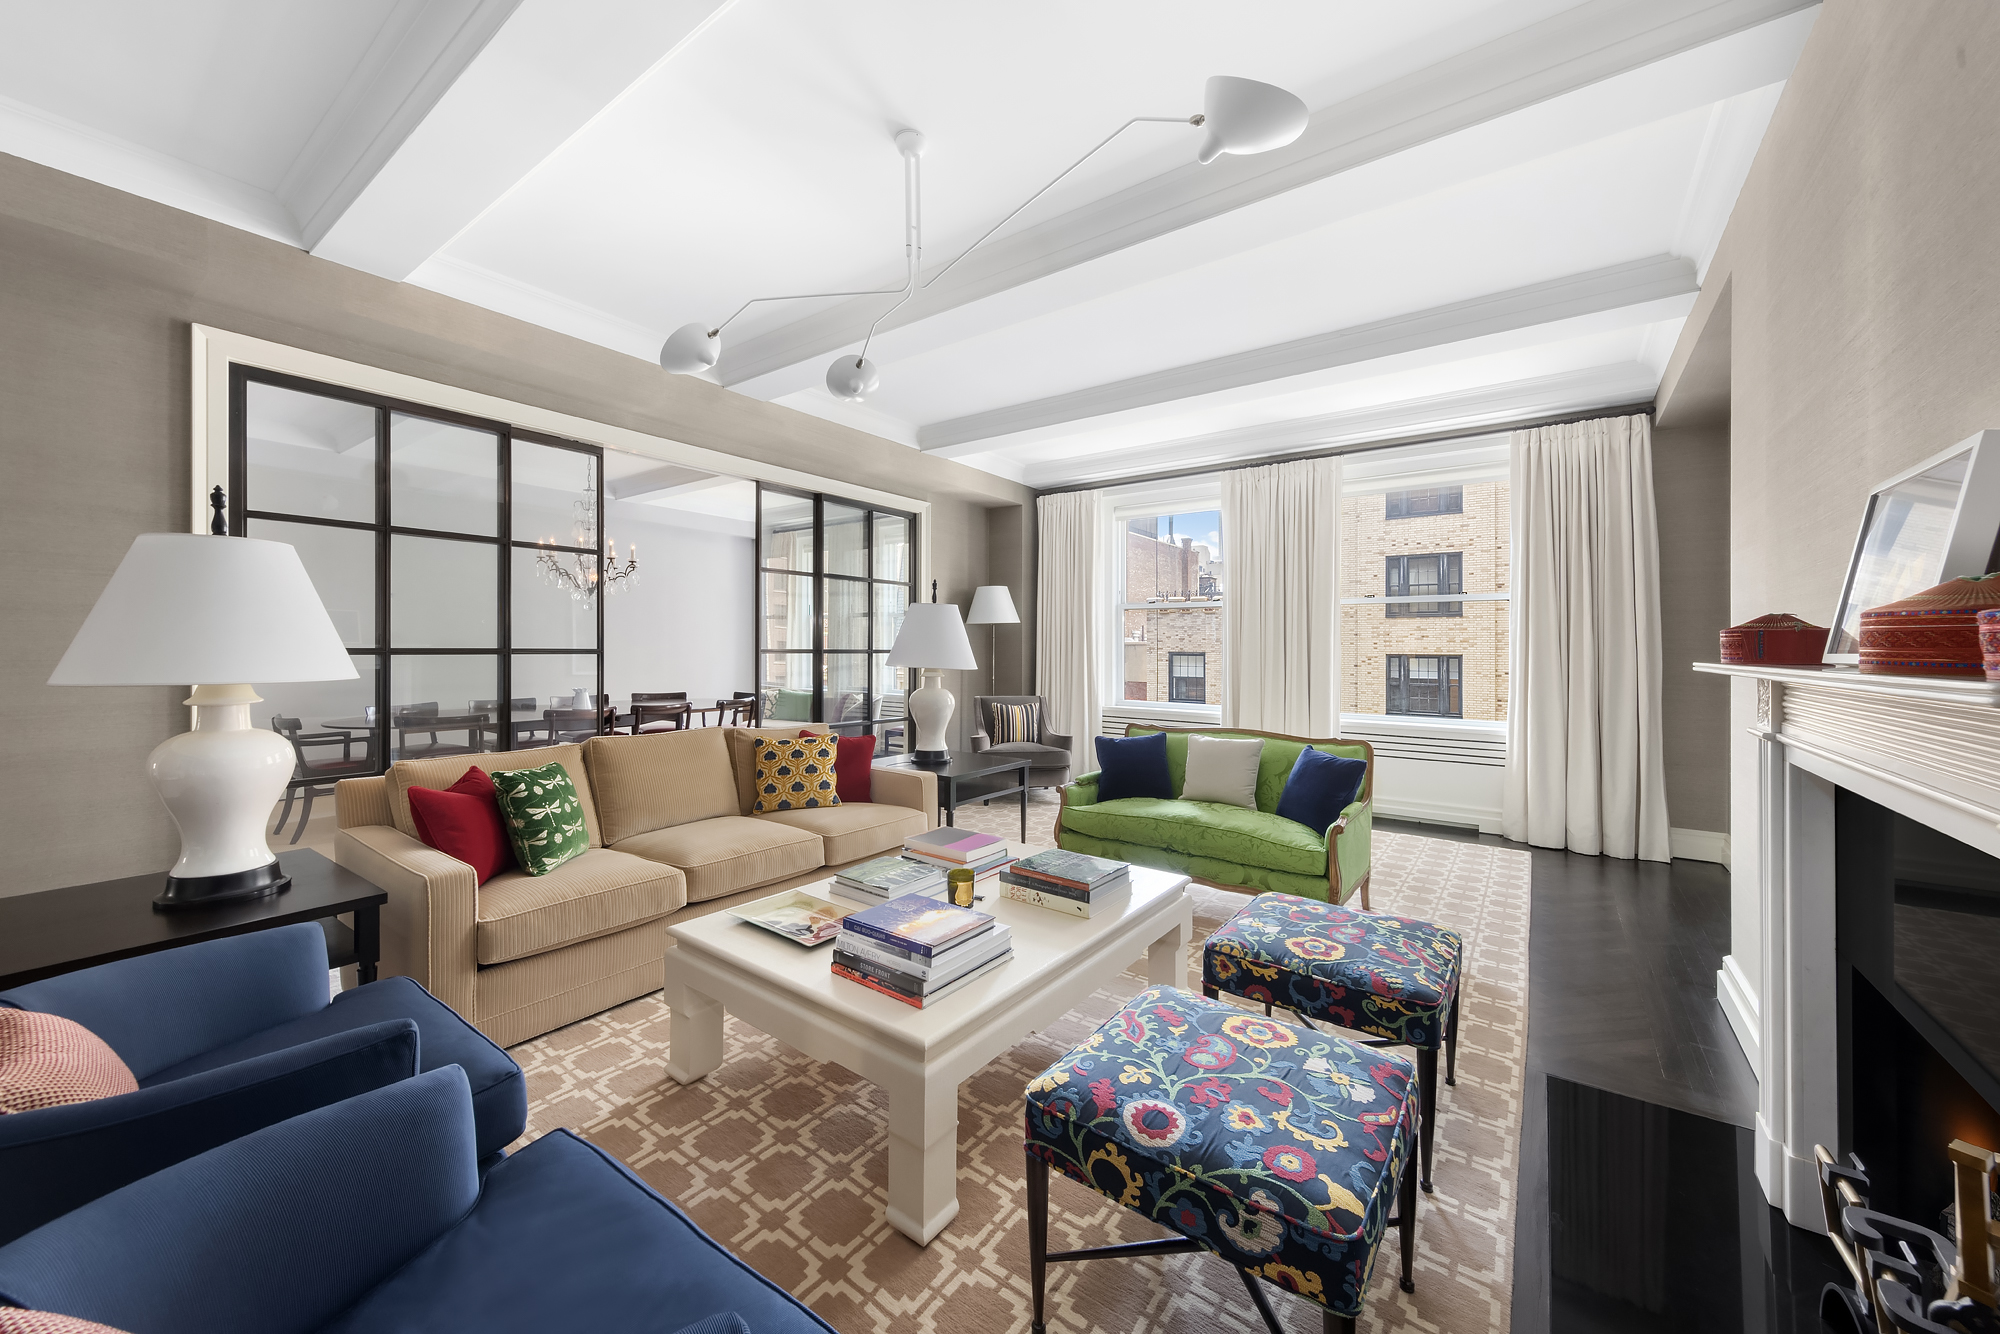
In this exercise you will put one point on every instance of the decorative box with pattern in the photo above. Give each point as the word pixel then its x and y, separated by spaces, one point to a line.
pixel 1933 633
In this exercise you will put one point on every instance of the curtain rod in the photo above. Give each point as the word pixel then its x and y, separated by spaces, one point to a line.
pixel 1396 442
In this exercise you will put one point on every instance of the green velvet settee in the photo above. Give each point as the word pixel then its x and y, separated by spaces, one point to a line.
pixel 1229 845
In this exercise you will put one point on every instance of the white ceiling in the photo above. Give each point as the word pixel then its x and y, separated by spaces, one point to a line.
pixel 1501 208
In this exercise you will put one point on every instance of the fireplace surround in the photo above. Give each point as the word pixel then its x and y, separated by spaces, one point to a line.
pixel 1840 769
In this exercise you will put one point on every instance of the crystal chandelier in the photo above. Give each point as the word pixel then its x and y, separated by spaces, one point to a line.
pixel 574 571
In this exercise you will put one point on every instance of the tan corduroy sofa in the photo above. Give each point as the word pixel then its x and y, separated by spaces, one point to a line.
pixel 670 824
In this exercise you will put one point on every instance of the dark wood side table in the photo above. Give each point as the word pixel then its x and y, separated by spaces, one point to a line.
pixel 959 780
pixel 61 930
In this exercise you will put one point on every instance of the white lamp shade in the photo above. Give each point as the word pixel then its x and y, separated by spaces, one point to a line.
pixel 932 636
pixel 189 609
pixel 1245 116
pixel 992 604
pixel 690 350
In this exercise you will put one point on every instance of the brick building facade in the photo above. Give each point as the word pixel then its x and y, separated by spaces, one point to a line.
pixel 1180 628
pixel 1477 636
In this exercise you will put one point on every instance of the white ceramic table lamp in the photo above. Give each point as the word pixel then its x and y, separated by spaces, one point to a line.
pixel 992 605
pixel 933 640
pixel 214 613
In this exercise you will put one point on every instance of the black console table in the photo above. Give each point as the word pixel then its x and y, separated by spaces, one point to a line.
pixel 61 930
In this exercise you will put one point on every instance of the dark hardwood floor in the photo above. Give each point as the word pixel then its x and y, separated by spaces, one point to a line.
pixel 1621 1000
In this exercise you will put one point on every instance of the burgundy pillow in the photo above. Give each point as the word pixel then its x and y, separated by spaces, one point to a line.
pixel 49 1061
pixel 853 766
pixel 463 821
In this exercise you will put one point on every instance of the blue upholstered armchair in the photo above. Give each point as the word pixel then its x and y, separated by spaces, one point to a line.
pixel 371 1215
pixel 225 1038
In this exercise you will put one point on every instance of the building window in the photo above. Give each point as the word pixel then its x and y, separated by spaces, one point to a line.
pixel 1169 595
pixel 1419 503
pixel 1421 576
pixel 833 580
pixel 1187 678
pixel 1428 685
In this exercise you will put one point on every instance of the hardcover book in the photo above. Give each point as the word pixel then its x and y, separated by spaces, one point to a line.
pixel 921 925
pixel 920 1002
pixel 999 857
pixel 1037 898
pixel 1071 868
pixel 947 963
pixel 888 877
pixel 959 846
pixel 905 977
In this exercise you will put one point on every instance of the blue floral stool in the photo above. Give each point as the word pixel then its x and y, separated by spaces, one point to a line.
pixel 1277 1148
pixel 1392 977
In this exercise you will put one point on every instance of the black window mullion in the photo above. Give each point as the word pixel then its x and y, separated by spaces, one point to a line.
pixel 382 636
pixel 821 617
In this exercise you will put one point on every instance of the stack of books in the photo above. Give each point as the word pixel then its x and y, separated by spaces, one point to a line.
pixel 1070 882
pixel 887 878
pixel 918 950
pixel 985 855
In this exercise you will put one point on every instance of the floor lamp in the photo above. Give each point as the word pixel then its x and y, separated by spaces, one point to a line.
pixel 992 605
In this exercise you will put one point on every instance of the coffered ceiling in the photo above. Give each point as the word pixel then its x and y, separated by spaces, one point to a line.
pixel 1500 209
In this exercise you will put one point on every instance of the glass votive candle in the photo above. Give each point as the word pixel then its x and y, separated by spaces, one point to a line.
pixel 959 882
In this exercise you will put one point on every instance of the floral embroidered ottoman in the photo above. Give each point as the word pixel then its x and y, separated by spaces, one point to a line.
pixel 1278 1148
pixel 1393 977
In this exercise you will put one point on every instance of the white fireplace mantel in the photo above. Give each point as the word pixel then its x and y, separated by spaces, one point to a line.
pixel 1925 747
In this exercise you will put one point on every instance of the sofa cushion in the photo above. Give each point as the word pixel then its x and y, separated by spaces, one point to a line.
pixel 499 1092
pixel 1204 829
pixel 599 891
pixel 49 1061
pixel 1320 788
pixel 1134 767
pixel 659 780
pixel 1223 770
pixel 564 1237
pixel 444 770
pixel 854 829
pixel 543 812
pixel 794 773
pixel 464 821
pixel 733 852
pixel 743 761
pixel 1280 754
pixel 1038 755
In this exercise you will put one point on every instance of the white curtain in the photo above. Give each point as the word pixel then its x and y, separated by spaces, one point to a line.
pixel 1584 766
pixel 1281 599
pixel 1072 622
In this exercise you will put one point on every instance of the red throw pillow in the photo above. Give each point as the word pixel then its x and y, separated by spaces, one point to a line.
pixel 49 1061
pixel 853 766
pixel 463 821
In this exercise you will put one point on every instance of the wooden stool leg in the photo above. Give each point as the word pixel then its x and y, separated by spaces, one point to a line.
pixel 1407 1208
pixel 1210 992
pixel 1330 1323
pixel 1451 1038
pixel 1427 1105
pixel 1038 1232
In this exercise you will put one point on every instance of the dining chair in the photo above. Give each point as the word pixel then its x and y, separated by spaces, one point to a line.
pixel 668 709
pixel 425 720
pixel 740 707
pixel 566 725
pixel 315 777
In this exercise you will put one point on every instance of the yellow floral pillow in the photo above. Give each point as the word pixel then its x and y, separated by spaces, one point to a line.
pixel 793 773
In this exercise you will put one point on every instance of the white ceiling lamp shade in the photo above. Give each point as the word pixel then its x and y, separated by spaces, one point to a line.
pixel 1240 116
pixel 1243 116
pixel 215 613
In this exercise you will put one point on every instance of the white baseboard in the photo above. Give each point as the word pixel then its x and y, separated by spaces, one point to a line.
pixel 1698 845
pixel 1738 1000
pixel 1486 822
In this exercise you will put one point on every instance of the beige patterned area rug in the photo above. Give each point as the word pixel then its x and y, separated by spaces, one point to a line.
pixel 781 1158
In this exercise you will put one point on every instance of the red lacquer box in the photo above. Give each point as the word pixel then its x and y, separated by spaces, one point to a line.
pixel 1933 633
pixel 1780 639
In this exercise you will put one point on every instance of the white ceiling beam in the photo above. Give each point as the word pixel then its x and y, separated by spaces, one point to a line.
pixel 669 479
pixel 1635 283
pixel 1568 52
pixel 551 69
pixel 1461 410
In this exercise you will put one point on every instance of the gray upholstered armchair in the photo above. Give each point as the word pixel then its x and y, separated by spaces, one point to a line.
pixel 1050 754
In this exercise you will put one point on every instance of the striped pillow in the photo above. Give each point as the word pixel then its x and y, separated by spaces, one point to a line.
pixel 1017 722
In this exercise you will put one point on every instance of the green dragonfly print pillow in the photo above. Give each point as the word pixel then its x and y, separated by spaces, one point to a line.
pixel 544 816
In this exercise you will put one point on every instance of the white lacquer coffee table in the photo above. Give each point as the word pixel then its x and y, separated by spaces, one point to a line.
pixel 918 1057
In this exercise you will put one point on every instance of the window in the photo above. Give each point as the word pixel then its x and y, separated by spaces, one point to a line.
pixel 1187 678
pixel 458 558
pixel 1429 500
pixel 1170 591
pixel 1417 576
pixel 1424 579
pixel 1428 684
pixel 834 578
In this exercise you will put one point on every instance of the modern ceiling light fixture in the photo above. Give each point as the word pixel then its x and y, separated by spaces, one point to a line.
pixel 1240 116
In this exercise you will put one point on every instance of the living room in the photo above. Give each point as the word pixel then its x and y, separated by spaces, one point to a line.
pixel 1321 540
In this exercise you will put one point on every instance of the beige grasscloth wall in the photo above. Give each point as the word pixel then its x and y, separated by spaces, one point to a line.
pixel 1861 270
pixel 1691 498
pixel 97 290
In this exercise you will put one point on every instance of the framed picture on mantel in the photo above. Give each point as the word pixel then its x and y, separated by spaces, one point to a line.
pixel 1930 523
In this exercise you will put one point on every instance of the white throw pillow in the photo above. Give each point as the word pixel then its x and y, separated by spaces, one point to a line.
pixel 1223 769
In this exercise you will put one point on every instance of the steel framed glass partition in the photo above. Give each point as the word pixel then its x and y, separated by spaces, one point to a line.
pixel 833 579
pixel 458 557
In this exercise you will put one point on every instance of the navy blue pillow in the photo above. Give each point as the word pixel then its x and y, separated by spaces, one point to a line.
pixel 1133 766
pixel 1320 787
